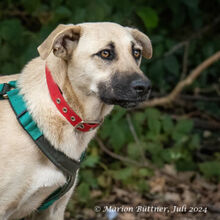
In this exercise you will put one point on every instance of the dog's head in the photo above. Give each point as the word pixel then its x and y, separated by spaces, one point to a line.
pixel 103 59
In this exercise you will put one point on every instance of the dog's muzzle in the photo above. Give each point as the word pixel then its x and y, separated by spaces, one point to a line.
pixel 125 90
pixel 141 87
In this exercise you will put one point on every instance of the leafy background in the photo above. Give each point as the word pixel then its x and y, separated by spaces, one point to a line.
pixel 183 135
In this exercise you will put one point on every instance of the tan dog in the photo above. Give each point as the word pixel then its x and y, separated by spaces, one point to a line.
pixel 96 65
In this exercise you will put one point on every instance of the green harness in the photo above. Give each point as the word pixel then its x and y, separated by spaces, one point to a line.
pixel 68 166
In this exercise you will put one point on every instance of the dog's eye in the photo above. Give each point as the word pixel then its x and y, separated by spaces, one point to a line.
pixel 106 54
pixel 136 53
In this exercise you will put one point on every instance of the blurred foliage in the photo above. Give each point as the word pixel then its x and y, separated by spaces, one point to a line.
pixel 164 139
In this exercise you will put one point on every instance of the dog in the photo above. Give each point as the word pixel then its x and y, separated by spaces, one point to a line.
pixel 96 66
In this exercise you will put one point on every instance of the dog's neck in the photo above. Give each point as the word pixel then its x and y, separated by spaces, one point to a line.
pixel 57 129
pixel 88 107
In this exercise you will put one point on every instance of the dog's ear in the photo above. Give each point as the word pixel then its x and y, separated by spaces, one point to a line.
pixel 143 40
pixel 62 41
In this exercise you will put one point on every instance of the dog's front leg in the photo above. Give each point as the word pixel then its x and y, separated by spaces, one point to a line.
pixel 55 211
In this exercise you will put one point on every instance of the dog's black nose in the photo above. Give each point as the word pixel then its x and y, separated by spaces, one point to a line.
pixel 141 87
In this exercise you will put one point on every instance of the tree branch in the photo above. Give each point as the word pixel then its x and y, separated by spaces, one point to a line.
pixel 194 36
pixel 133 162
pixel 185 60
pixel 131 127
pixel 183 83
pixel 116 156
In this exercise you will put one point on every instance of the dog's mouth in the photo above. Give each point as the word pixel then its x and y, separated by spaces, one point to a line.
pixel 125 103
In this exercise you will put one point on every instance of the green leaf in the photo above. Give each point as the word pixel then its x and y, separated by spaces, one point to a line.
pixel 156 71
pixel 175 155
pixel 152 136
pixel 154 148
pixel 157 75
pixel 166 155
pixel 149 17
pixel 144 172
pixel 30 6
pixel 185 165
pixel 118 114
pixel 90 161
pixel 102 181
pixel 191 4
pixel 184 126
pixel 9 68
pixel 143 186
pixel 5 53
pixel 106 129
pixel 152 113
pixel 11 31
pixel 83 191
pixel 159 50
pixel 154 125
pixel 180 139
pixel 88 177
pixel 97 11
pixel 210 169
pixel 138 119
pixel 194 142
pixel 171 64
pixel 167 124
pixel 177 136
pixel 153 120
pixel 123 174
pixel 62 12
pixel 133 150
pixel 119 135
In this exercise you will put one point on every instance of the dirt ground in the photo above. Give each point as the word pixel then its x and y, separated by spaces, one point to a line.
pixel 182 196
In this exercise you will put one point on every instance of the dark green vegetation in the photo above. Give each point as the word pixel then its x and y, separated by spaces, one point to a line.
pixel 184 133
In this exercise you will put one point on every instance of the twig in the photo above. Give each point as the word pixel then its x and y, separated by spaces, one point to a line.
pixel 175 48
pixel 217 89
pixel 116 156
pixel 133 162
pixel 185 60
pixel 183 83
pixel 208 125
pixel 18 13
pixel 191 97
pixel 131 127
pixel 200 98
pixel 201 123
pixel 196 35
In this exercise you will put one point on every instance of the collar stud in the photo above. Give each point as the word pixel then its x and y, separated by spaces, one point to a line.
pixel 58 100
pixel 72 118
pixel 64 109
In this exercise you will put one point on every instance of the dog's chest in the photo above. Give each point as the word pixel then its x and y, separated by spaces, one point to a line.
pixel 45 180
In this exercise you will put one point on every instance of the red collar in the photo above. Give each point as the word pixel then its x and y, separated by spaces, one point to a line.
pixel 64 108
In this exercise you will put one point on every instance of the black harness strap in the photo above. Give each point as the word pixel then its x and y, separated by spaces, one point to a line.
pixel 58 158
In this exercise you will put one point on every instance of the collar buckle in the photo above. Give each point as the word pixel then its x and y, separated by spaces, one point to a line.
pixel 83 124
pixel 80 125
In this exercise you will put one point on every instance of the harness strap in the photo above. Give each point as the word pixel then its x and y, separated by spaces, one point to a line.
pixel 5 87
pixel 57 194
pixel 67 165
